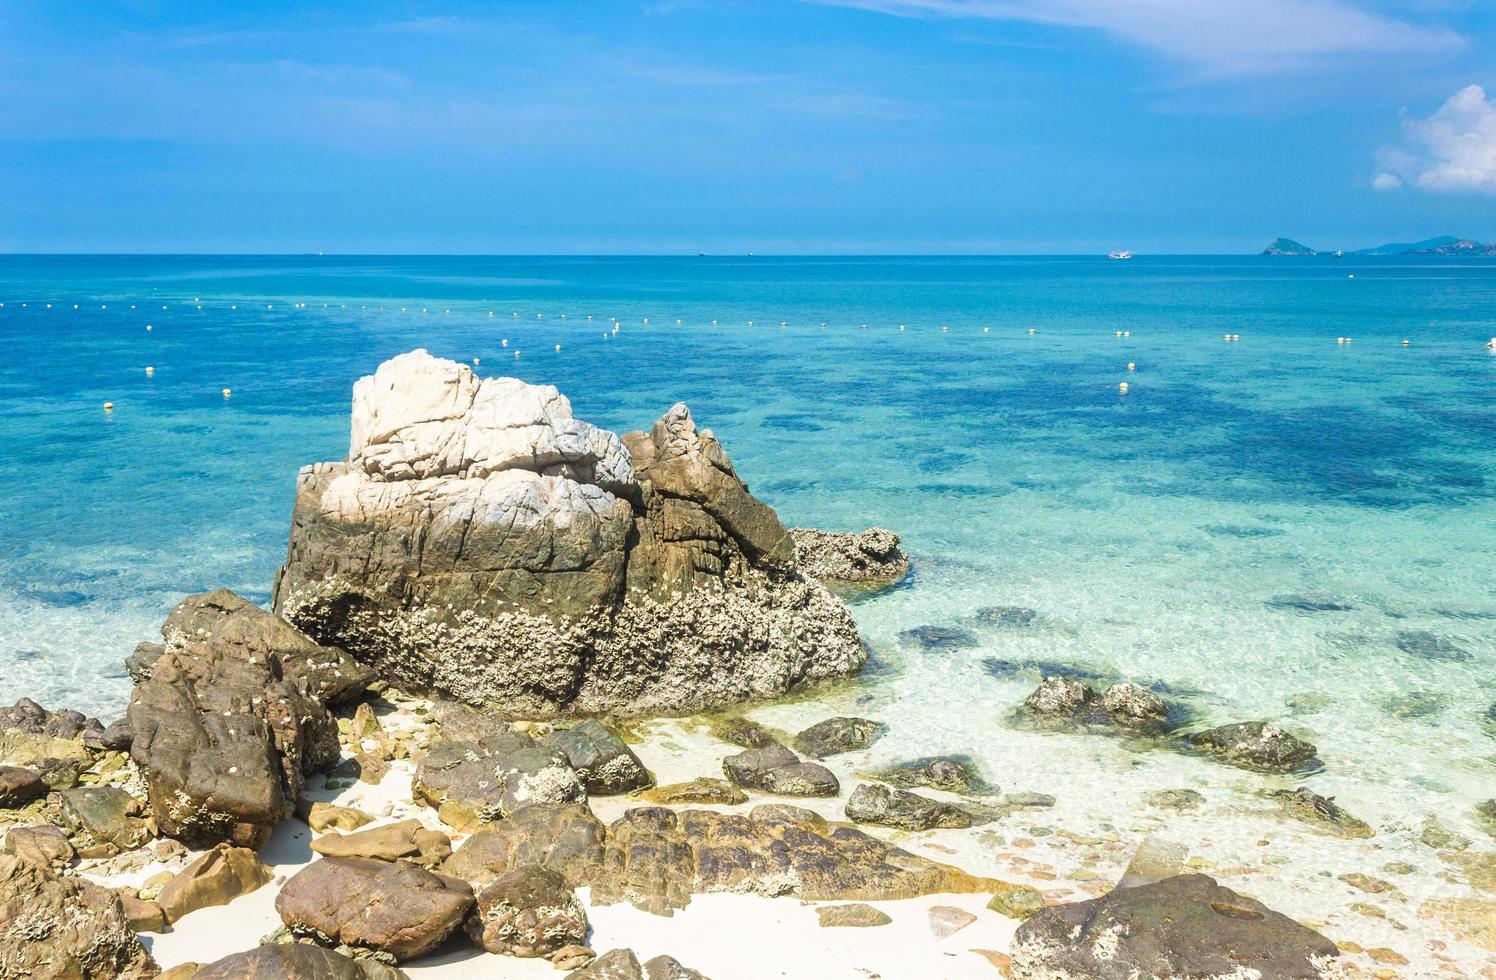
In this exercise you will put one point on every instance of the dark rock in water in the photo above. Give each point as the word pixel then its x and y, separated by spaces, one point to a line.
pixel 296 961
pixel 622 964
pixel 775 769
pixel 870 559
pixel 138 664
pixel 530 911
pixel 606 765
pixel 1002 667
pixel 103 820
pixel 30 718
pixel 567 839
pixel 1421 643
pixel 1182 927
pixel 19 786
pixel 392 907
pixel 742 732
pixel 495 776
pixel 871 803
pixel 836 735
pixel 940 637
pixel 579 572
pixel 1485 816
pixel 233 718
pixel 1321 811
pixel 1255 745
pixel 1005 617
pixel 952 773
pixel 1062 702
pixel 1308 603
pixel 64 928
pixel 1415 704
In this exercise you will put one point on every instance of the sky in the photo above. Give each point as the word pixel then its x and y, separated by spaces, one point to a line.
pixel 773 126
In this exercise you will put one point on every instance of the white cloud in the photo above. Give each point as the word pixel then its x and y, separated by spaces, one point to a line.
pixel 1220 37
pixel 1383 181
pixel 1452 150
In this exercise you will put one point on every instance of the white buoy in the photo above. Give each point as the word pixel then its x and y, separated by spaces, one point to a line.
pixel 149 370
pixel 646 319
pixel 1351 276
pixel 1406 342
pixel 1033 330
pixel 1131 366
pixel 1339 340
pixel 475 362
pixel 1119 333
pixel 516 353
pixel 677 321
pixel 986 330
pixel 1122 387
pixel 504 342
pixel 75 306
pixel 901 328
pixel 558 348
pixel 148 328
pixel 944 328
pixel 109 406
pixel 714 323
pixel 227 392
pixel 1127 333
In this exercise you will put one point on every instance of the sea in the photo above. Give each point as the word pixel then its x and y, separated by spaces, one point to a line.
pixel 1263 487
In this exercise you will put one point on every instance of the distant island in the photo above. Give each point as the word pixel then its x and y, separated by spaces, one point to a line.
pixel 1443 245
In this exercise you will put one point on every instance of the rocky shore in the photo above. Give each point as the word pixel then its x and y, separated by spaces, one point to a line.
pixel 514 711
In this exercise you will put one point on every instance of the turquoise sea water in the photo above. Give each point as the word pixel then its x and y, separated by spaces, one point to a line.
pixel 1156 532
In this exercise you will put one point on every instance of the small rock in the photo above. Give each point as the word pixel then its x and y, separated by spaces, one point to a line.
pixel 1154 860
pixel 1321 811
pixel 1381 954
pixel 1308 603
pixel 322 817
pixel 1485 816
pixel 1366 883
pixel 1422 643
pixel 856 915
pixel 572 957
pixel 46 847
pixel 103 820
pixel 947 920
pixel 143 915
pixel 742 732
pixel 217 877
pixel 701 790
pixel 1255 745
pixel 1065 702
pixel 365 722
pixel 530 911
pixel 391 842
pixel 775 769
pixel 951 773
pixel 1173 799
pixel 622 964
pixel 19 786
pixel 836 735
pixel 371 768
pixel 876 804
pixel 1017 901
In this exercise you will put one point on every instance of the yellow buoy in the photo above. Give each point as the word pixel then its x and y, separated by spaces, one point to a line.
pixel 149 371
pixel 1122 387
pixel 1131 366
pixel 227 392
pixel 1405 343
pixel 109 406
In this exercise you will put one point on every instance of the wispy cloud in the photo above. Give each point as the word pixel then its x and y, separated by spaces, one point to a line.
pixel 1217 37
pixel 1452 150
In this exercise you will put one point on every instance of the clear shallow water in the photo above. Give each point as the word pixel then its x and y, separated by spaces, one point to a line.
pixel 1149 530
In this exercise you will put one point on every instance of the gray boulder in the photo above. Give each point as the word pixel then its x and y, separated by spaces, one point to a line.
pixel 1182 927
pixel 775 769
pixel 496 775
pixel 870 559
pixel 952 773
pixel 1255 745
pixel 567 839
pixel 606 766
pixel 837 735
pixel 575 571
pixel 871 803
pixel 103 820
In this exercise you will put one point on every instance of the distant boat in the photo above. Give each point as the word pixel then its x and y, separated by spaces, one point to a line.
pixel 1124 254
pixel 1339 254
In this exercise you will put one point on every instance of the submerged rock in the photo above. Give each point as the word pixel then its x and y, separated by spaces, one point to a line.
pixel 940 637
pixel 951 773
pixel 1006 617
pixel 871 803
pixel 1255 745
pixel 1422 643
pixel 836 735
pixel 775 769
pixel 1297 602
pixel 1174 799
pixel 1061 702
pixel 574 570
pixel 1322 811
pixel 233 718
pixel 64 928
pixel 868 559
pixel 743 732
pixel 391 907
pixel 1182 927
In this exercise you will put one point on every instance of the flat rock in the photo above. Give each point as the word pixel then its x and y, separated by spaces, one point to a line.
pixel 700 790
pixel 1255 745
pixel 295 961
pixel 496 775
pixel 951 773
pixel 1471 919
pixel 482 516
pixel 775 769
pixel 530 911
pixel 64 928
pixel 1182 927
pixel 405 839
pixel 19 786
pixel 940 638
pixel 322 817
pixel 869 559
pixel 216 877
pixel 876 804
pixel 606 766
pixel 392 907
pixel 836 735
pixel 857 915
pixel 947 920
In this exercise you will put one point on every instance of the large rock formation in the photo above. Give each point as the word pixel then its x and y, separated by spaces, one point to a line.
pixel 482 543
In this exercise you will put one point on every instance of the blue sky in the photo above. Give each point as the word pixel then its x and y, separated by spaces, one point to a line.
pixel 893 126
